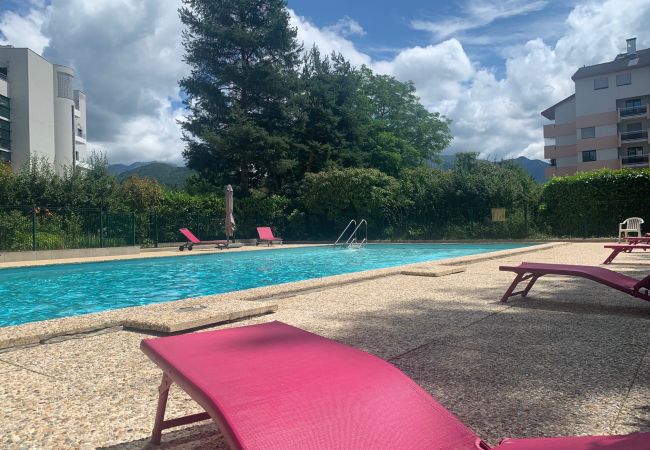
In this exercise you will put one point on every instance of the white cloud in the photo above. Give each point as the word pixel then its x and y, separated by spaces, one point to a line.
pixel 500 116
pixel 477 14
pixel 327 39
pixel 128 56
pixel 23 31
pixel 438 71
pixel 347 26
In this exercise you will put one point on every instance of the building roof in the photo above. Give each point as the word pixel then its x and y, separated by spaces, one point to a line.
pixel 549 113
pixel 622 62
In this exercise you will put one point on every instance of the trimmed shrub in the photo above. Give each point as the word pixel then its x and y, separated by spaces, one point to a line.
pixel 594 203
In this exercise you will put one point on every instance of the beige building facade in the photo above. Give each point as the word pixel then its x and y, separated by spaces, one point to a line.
pixel 40 113
pixel 605 123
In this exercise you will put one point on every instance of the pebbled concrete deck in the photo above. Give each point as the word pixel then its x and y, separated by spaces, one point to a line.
pixel 573 358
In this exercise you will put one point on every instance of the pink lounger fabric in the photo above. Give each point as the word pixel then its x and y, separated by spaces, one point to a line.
pixel 274 386
pixel 530 272
pixel 266 235
pixel 623 248
pixel 191 238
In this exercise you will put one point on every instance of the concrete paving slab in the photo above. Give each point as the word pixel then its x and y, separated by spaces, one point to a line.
pixel 508 396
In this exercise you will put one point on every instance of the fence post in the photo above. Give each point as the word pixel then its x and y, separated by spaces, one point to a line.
pixel 33 228
pixel 101 228
pixel 155 229
pixel 526 219
pixel 133 225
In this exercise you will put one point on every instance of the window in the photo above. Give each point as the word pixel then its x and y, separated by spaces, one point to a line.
pixel 589 155
pixel 3 73
pixel 64 85
pixel 76 156
pixel 5 135
pixel 634 103
pixel 636 126
pixel 553 162
pixel 5 110
pixel 635 151
pixel 623 78
pixel 601 83
pixel 588 132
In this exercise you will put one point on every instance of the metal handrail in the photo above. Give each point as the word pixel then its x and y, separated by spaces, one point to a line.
pixel 352 240
pixel 344 230
pixel 634 135
pixel 633 110
pixel 634 159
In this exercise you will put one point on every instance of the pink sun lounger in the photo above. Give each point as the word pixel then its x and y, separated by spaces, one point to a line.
pixel 623 248
pixel 635 240
pixel 531 272
pixel 266 235
pixel 193 240
pixel 274 386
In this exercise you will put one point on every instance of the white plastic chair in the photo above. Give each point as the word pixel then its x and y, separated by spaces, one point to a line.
pixel 631 225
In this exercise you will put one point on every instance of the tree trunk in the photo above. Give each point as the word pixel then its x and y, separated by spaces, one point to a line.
pixel 244 182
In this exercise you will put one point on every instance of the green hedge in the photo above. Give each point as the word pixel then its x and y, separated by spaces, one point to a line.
pixel 592 204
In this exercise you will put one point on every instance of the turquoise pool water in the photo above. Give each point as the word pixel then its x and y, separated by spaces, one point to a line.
pixel 40 293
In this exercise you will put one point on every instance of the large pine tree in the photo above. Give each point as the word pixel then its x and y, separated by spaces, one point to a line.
pixel 243 57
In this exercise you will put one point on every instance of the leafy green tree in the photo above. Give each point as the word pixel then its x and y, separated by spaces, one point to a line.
pixel 332 197
pixel 328 124
pixel 243 57
pixel 402 133
pixel 38 183
pixel 7 185
pixel 140 195
pixel 99 183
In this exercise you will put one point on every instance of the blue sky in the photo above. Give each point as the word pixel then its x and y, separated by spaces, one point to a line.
pixel 389 26
pixel 489 66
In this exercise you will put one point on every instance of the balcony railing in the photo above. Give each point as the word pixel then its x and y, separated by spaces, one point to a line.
pixel 633 110
pixel 627 136
pixel 638 160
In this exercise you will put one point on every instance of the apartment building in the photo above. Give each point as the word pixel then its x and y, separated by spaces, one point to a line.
pixel 605 123
pixel 40 114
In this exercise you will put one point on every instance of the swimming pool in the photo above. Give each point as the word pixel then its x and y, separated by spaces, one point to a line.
pixel 48 292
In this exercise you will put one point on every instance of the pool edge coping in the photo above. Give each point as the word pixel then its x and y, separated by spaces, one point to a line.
pixel 159 317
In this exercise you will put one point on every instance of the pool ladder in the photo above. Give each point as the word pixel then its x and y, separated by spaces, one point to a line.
pixel 352 241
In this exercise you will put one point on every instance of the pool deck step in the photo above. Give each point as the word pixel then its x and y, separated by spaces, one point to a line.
pixel 170 317
pixel 191 317
pixel 434 272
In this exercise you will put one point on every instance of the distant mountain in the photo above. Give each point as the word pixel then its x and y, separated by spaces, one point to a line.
pixel 116 169
pixel 165 174
pixel 534 167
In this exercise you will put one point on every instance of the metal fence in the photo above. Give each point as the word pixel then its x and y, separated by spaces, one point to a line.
pixel 26 228
pixel 53 228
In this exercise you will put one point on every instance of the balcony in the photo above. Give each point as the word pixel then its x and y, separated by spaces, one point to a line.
pixel 633 136
pixel 80 136
pixel 634 161
pixel 633 112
